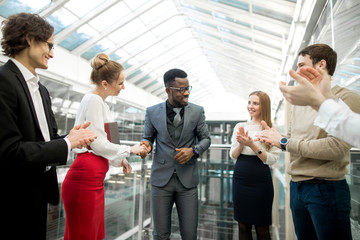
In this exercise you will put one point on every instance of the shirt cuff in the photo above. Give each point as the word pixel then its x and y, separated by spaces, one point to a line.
pixel 327 110
pixel 68 144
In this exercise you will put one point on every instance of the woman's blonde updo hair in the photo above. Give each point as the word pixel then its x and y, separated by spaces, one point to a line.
pixel 105 69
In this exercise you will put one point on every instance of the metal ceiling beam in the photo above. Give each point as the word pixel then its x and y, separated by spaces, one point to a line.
pixel 242 15
pixel 227 24
pixel 88 44
pixel 85 19
pixel 213 55
pixel 129 40
pixel 138 66
pixel 246 43
pixel 54 6
pixel 158 41
pixel 249 55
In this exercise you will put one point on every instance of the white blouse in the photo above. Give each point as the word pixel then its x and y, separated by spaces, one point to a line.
pixel 272 154
pixel 92 108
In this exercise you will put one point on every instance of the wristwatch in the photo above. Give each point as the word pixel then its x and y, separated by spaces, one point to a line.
pixel 283 142
pixel 196 151
pixel 259 152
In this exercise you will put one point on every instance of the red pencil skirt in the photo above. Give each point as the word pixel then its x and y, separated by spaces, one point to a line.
pixel 83 197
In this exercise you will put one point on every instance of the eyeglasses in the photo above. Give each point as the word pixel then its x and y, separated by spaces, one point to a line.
pixel 51 46
pixel 182 89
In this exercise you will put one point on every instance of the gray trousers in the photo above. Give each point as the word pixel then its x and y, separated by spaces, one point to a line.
pixel 162 201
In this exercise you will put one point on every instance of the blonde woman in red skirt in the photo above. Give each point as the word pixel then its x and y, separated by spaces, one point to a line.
pixel 83 188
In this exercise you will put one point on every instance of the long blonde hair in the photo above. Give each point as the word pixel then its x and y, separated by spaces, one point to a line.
pixel 265 105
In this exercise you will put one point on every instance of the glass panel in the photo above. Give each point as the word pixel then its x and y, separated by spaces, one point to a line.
pixel 266 30
pixel 110 16
pixel 139 43
pixel 134 4
pixel 101 46
pixel 61 19
pixel 230 19
pixel 11 7
pixel 226 30
pixel 142 79
pixel 234 3
pixel 150 52
pixel 201 10
pixel 169 26
pixel 271 14
pixel 166 7
pixel 127 30
pixel 80 8
pixel 181 35
pixel 83 34
pixel 202 22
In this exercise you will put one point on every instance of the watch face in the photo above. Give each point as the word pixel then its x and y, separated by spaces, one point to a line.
pixel 283 141
pixel 196 150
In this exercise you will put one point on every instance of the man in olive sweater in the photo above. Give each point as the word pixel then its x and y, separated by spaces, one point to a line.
pixel 319 193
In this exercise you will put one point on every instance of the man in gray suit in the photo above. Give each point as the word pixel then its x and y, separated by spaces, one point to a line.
pixel 181 136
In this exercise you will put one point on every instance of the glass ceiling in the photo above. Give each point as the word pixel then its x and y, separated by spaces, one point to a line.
pixel 216 42
pixel 225 46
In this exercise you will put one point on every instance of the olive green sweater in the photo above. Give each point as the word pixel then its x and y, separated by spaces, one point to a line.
pixel 313 152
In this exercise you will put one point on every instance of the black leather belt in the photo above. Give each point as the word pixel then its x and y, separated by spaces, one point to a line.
pixel 314 181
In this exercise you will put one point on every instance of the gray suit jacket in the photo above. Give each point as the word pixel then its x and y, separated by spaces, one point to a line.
pixel 195 132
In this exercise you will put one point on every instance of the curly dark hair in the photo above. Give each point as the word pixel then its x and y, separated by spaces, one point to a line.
pixel 16 28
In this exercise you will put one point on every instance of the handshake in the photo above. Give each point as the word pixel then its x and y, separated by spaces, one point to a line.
pixel 141 149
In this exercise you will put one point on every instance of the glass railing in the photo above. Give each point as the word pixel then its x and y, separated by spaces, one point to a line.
pixel 127 199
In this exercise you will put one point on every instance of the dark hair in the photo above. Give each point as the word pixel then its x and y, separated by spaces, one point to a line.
pixel 16 28
pixel 265 106
pixel 105 69
pixel 169 76
pixel 317 52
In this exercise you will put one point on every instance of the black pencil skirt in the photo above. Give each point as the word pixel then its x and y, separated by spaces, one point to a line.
pixel 253 191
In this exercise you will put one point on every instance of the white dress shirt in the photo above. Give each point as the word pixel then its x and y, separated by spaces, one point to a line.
pixel 337 119
pixel 33 85
pixel 92 108
pixel 272 155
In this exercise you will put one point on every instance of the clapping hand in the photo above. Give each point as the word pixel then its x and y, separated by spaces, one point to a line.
pixel 80 136
pixel 313 88
pixel 243 137
pixel 268 136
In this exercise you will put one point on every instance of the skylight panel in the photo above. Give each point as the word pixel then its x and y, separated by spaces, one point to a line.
pixel 181 35
pixel 81 7
pixel 161 9
pixel 169 26
pixel 101 46
pixel 234 3
pixel 110 16
pixel 83 34
pixel 16 6
pixel 134 4
pixel 61 19
pixel 139 43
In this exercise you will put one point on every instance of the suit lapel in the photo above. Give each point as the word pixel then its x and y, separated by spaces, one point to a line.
pixel 47 108
pixel 25 87
pixel 163 119
pixel 187 113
